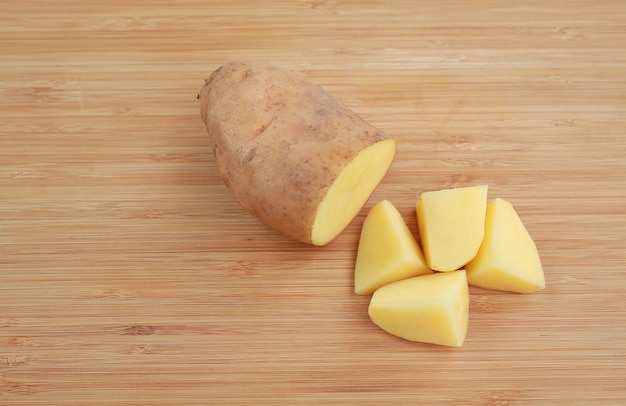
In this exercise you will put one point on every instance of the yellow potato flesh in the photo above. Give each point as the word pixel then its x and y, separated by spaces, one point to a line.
pixel 430 308
pixel 508 259
pixel 387 251
pixel 349 192
pixel 451 224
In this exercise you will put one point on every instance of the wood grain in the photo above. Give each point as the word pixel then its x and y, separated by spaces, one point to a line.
pixel 129 275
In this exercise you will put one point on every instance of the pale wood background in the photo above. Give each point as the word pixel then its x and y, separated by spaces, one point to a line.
pixel 128 274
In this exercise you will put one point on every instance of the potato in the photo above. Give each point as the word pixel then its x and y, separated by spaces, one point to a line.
pixel 507 258
pixel 451 224
pixel 429 308
pixel 387 250
pixel 292 155
pixel 457 228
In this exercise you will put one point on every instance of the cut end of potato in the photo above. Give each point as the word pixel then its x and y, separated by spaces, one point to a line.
pixel 350 191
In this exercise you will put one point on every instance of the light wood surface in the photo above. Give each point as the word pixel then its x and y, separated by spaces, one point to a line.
pixel 129 275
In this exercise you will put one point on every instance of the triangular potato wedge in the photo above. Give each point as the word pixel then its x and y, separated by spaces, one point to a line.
pixel 451 224
pixel 508 259
pixel 387 250
pixel 431 308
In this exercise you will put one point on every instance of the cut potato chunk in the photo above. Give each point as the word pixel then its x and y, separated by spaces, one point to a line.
pixel 349 192
pixel 387 251
pixel 507 259
pixel 451 224
pixel 431 308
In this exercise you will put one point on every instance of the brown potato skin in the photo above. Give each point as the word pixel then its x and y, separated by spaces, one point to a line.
pixel 279 141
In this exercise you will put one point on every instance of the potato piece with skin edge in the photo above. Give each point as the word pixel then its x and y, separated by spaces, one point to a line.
pixel 430 308
pixel 387 250
pixel 451 224
pixel 508 259
pixel 292 155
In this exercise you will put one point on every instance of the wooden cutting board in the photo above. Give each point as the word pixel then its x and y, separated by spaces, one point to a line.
pixel 129 275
